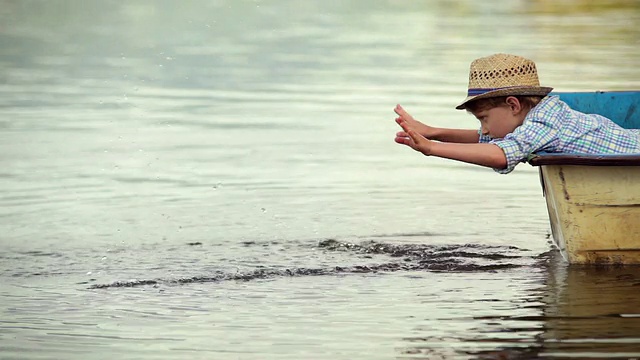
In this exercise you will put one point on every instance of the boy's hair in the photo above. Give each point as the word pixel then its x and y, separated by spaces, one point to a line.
pixel 527 101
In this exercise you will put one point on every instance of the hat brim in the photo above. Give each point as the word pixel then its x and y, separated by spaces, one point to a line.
pixel 520 90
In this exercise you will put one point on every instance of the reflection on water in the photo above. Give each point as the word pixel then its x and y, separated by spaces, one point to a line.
pixel 594 312
pixel 582 312
pixel 218 180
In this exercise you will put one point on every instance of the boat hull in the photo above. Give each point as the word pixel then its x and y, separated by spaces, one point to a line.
pixel 594 212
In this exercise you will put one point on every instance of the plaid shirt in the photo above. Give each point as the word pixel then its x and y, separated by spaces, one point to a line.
pixel 552 126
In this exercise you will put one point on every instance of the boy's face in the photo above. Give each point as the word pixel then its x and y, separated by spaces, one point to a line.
pixel 499 121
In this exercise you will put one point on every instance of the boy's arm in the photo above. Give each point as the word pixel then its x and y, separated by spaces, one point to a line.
pixel 434 133
pixel 489 155
pixel 461 136
pixel 464 136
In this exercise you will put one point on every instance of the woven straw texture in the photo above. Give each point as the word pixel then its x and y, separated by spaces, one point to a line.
pixel 503 75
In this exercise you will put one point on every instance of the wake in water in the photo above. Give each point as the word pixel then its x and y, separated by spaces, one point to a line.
pixel 414 257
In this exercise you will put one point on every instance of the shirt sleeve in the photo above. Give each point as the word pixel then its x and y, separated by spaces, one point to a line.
pixel 535 134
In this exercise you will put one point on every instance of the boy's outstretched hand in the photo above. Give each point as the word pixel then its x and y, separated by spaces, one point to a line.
pixel 422 129
pixel 412 138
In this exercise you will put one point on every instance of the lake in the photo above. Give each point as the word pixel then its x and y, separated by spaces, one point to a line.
pixel 218 180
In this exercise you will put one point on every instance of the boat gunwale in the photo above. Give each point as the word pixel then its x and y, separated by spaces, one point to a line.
pixel 585 159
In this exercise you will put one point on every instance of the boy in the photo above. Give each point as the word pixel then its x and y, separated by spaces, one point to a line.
pixel 517 118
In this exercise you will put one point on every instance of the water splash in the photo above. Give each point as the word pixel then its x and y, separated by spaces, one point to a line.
pixel 414 257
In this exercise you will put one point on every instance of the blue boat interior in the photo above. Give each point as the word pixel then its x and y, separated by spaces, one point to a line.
pixel 622 107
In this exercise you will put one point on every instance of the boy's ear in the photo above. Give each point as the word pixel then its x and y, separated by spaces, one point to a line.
pixel 514 104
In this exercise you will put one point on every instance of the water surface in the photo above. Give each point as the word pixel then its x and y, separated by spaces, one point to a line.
pixel 219 180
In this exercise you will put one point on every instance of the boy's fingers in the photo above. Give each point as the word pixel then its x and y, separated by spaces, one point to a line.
pixel 402 112
pixel 403 124
pixel 402 140
pixel 414 135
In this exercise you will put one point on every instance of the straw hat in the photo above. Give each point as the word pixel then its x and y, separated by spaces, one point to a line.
pixel 502 75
